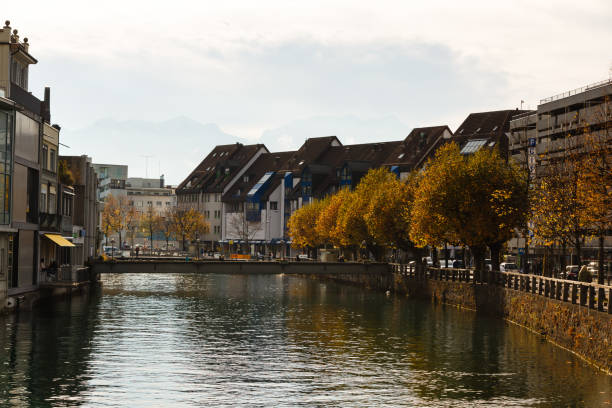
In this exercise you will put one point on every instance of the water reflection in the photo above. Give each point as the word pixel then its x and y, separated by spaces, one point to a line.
pixel 274 340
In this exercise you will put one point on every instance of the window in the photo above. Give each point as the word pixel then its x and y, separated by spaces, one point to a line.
pixel 245 179
pixel 43 198
pixel 52 200
pixel 52 165
pixel 67 205
pixel 150 203
pixel 45 157
pixel 159 203
pixel 274 205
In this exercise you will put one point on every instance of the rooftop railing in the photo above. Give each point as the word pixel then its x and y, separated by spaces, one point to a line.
pixel 576 91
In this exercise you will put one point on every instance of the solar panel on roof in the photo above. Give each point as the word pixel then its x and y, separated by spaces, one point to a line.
pixel 473 146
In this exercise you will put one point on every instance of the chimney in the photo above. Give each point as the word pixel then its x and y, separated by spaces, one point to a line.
pixel 46 105
pixel 161 181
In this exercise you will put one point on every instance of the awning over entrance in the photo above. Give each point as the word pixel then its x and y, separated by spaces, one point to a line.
pixel 59 240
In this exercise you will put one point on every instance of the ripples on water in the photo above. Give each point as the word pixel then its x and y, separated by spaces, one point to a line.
pixel 153 340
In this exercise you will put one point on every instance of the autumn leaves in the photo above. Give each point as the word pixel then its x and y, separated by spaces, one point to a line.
pixel 475 200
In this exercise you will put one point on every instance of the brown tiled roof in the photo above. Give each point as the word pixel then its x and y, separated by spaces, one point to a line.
pixel 264 163
pixel 420 144
pixel 210 174
pixel 310 152
pixel 489 126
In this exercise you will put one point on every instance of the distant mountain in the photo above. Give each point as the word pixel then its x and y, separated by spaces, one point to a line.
pixel 349 129
pixel 175 146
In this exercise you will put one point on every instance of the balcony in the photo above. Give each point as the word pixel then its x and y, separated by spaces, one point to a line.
pixel 25 99
pixel 50 222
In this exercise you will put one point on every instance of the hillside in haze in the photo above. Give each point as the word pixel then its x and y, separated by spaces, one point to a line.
pixel 175 146
pixel 349 129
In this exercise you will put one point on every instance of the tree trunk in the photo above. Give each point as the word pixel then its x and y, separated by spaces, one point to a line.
pixel 445 254
pixel 600 261
pixel 563 262
pixel 478 253
pixel 578 250
pixel 434 257
pixel 495 255
pixel 151 239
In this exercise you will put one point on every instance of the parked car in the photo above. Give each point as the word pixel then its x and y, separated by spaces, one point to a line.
pixel 571 272
pixel 303 257
pixel 508 267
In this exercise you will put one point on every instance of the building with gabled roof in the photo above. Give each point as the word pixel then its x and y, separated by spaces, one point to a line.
pixel 420 144
pixel 211 179
pixel 485 130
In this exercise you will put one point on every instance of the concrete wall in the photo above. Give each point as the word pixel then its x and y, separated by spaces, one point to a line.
pixel 340 270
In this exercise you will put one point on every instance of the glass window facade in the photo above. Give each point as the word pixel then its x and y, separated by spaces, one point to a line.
pixel 6 159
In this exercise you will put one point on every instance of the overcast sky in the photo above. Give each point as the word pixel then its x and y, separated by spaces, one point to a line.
pixel 258 68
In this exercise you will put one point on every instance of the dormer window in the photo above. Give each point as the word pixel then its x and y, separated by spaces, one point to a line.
pixel 300 163
pixel 400 156
pixel 214 154
pixel 495 128
pixel 227 170
pixel 245 178
pixel 477 130
pixel 461 131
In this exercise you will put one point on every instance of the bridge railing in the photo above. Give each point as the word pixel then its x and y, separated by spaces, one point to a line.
pixel 590 295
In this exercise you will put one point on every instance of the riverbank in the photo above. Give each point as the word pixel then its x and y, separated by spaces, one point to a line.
pixel 567 318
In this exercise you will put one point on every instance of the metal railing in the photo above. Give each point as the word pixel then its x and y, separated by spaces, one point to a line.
pixel 591 295
pixel 576 91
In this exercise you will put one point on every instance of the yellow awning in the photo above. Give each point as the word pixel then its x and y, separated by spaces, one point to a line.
pixel 59 240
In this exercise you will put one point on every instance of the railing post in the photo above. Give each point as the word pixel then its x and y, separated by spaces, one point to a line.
pixel 551 292
pixel 516 282
pixel 601 296
pixel 540 286
pixel 534 284
pixel 558 286
pixel 546 288
pixel 574 292
pixel 583 295
pixel 565 291
pixel 591 297
pixel 609 300
pixel 527 282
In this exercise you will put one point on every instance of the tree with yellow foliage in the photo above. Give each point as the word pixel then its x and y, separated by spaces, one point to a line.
pixel 388 212
pixel 150 223
pixel 477 200
pixel 594 189
pixel 352 228
pixel 128 219
pixel 327 223
pixel 110 216
pixel 187 224
pixel 302 224
pixel 166 225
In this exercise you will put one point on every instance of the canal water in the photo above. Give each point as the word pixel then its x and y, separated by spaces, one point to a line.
pixel 152 340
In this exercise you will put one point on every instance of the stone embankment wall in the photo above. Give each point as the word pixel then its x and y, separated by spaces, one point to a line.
pixel 579 329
